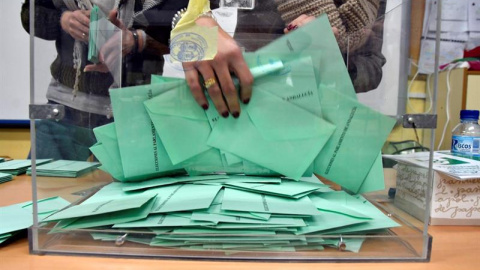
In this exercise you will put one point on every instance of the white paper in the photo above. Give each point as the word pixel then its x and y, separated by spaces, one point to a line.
pixel 449 51
pixel 454 10
pixel 454 199
pixel 473 40
pixel 227 19
pixel 474 15
pixel 457 167
pixel 454 16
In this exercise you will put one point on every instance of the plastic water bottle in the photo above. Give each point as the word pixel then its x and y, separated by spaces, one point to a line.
pixel 466 135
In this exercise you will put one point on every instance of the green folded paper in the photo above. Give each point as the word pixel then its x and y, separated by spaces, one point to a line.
pixel 142 152
pixel 19 216
pixel 65 168
pixel 176 198
pixel 237 200
pixel 19 166
pixel 102 207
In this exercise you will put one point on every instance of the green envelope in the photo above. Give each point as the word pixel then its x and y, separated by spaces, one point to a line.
pixel 106 135
pixel 286 188
pixel 378 220
pixel 354 147
pixel 331 75
pixel 186 197
pixel 100 31
pixel 274 134
pixel 165 181
pixel 181 124
pixel 200 231
pixel 326 221
pixel 5 177
pixel 109 165
pixel 162 220
pixel 92 33
pixel 142 152
pixel 65 168
pixel 19 216
pixel 19 166
pixel 102 207
pixel 251 215
pixel 328 64
pixel 375 178
pixel 107 218
pixel 237 200
pixel 213 214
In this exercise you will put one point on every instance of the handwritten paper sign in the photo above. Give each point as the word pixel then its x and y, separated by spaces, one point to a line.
pixel 453 201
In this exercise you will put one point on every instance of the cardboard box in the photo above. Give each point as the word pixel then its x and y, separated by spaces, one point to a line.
pixel 454 202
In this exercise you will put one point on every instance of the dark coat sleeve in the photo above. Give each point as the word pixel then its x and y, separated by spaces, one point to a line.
pixel 365 64
pixel 47 19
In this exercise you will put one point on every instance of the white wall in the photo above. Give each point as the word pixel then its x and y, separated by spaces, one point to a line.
pixel 385 98
pixel 15 64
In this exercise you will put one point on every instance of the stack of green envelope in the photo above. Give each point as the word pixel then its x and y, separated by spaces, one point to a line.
pixel 19 166
pixel 214 212
pixel 5 177
pixel 65 168
pixel 193 179
pixel 302 118
pixel 17 217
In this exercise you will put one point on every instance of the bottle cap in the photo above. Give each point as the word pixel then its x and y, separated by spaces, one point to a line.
pixel 469 114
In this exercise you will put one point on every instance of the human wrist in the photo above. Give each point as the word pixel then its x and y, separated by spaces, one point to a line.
pixel 142 40
pixel 135 41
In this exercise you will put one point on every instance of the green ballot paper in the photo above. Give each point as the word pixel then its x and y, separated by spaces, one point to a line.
pixel 180 197
pixel 19 216
pixel 19 166
pixel 65 168
pixel 107 151
pixel 274 134
pixel 237 200
pixel 183 126
pixel 356 143
pixel 143 153
pixel 100 31
pixel 102 207
pixel 334 89
pixel 5 177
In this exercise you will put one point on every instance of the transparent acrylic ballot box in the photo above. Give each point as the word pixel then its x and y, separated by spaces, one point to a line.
pixel 292 172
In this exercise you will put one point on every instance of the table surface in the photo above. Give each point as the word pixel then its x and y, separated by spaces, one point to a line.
pixel 454 247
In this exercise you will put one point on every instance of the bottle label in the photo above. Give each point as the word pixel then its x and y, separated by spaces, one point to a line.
pixel 466 145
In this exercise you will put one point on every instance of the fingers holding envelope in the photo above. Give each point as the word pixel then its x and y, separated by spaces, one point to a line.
pixel 110 54
pixel 76 23
pixel 217 76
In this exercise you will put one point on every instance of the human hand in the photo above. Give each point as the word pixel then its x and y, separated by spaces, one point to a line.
pixel 228 59
pixel 76 23
pixel 298 22
pixel 109 54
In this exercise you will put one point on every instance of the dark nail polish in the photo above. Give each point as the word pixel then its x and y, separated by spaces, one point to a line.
pixel 246 101
pixel 225 114
pixel 289 27
pixel 205 106
pixel 294 27
pixel 235 114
